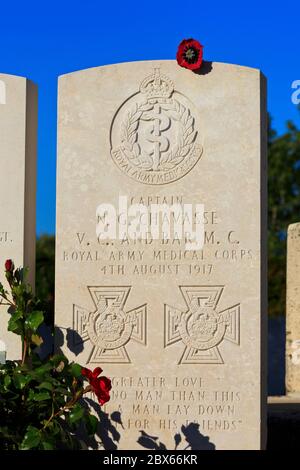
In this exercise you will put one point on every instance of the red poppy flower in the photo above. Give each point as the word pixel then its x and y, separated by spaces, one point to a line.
pixel 190 54
pixel 99 385
pixel 9 265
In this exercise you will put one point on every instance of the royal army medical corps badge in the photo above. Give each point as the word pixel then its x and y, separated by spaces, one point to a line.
pixel 154 134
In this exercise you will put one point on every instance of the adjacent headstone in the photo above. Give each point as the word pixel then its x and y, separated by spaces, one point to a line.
pixel 181 330
pixel 293 310
pixel 18 124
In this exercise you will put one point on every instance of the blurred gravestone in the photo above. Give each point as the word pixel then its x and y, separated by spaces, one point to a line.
pixel 18 124
pixel 293 310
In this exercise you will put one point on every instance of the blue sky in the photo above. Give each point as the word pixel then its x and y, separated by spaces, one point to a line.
pixel 44 39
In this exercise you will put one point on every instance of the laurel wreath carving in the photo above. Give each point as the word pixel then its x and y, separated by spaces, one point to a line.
pixel 179 151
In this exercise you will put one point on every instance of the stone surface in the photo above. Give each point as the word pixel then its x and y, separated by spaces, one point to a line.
pixel 18 123
pixel 293 310
pixel 179 331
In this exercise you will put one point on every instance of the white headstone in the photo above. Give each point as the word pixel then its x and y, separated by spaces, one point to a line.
pixel 18 125
pixel 181 332
pixel 293 310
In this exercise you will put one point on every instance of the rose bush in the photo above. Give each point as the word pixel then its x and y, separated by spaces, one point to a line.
pixel 42 402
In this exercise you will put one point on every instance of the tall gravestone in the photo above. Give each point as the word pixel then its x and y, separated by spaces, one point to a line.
pixel 179 328
pixel 293 310
pixel 18 125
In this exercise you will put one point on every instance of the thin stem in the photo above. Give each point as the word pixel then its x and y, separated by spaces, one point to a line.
pixel 50 419
pixel 7 300
pixel 24 352
pixel 67 406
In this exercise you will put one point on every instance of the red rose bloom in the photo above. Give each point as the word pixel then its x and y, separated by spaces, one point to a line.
pixel 190 54
pixel 99 385
pixel 9 265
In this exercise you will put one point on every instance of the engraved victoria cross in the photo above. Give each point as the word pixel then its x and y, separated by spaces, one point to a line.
pixel 202 328
pixel 109 328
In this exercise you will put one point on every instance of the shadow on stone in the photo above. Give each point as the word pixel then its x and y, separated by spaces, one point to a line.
pixel 194 438
pixel 191 434
pixel 47 346
pixel 58 340
pixel 106 431
pixel 205 68
pixel 150 442
pixel 190 438
pixel 116 417
pixel 74 340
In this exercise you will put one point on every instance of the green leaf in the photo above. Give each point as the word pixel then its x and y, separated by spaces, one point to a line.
pixel 20 380
pixel 3 292
pixel 63 391
pixel 15 325
pixel 7 381
pixel 76 370
pixel 76 414
pixel 36 361
pixel 46 386
pixel 42 369
pixel 47 445
pixel 34 320
pixel 24 273
pixel 58 358
pixel 31 439
pixel 37 340
pixel 17 291
pixel 7 432
pixel 54 428
pixel 91 423
pixel 41 396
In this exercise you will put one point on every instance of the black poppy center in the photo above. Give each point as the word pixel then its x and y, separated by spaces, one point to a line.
pixel 191 55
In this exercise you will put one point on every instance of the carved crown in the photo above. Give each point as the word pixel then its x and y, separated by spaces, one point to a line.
pixel 157 85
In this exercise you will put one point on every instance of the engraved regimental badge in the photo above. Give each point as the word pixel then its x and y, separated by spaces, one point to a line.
pixel 154 134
